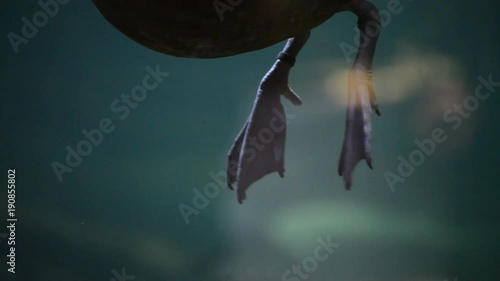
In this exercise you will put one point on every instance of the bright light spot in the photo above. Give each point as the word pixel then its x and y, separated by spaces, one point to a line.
pixel 410 72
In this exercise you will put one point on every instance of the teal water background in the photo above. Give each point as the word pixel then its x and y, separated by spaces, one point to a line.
pixel 119 208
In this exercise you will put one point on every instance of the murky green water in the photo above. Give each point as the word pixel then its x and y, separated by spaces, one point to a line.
pixel 117 213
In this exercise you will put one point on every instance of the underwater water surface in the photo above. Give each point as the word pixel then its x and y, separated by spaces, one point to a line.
pixel 428 211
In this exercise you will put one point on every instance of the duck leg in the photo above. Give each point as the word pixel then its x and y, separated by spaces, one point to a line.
pixel 357 140
pixel 259 148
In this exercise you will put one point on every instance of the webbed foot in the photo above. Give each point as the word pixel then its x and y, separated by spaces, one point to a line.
pixel 259 148
pixel 357 140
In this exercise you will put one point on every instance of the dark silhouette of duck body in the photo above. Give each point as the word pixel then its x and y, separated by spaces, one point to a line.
pixel 211 29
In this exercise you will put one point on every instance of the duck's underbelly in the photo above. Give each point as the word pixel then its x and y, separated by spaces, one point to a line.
pixel 210 29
